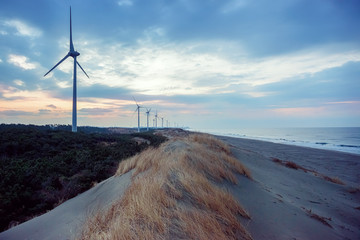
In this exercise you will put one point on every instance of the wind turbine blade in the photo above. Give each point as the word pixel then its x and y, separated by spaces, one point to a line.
pixel 57 64
pixel 71 42
pixel 136 102
pixel 81 68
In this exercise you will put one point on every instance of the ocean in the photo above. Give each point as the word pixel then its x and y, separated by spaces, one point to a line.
pixel 344 139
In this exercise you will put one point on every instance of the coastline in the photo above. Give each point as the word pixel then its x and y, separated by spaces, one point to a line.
pixel 322 160
pixel 283 203
pixel 341 139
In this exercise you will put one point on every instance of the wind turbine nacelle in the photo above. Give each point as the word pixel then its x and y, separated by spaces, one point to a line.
pixel 74 53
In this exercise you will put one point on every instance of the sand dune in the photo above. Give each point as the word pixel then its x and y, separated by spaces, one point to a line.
pixel 64 221
pixel 200 188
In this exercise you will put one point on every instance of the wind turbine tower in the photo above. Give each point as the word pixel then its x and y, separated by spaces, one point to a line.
pixel 156 117
pixel 147 118
pixel 162 122
pixel 138 110
pixel 72 53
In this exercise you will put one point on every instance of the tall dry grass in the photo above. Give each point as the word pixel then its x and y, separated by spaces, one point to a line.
pixel 175 194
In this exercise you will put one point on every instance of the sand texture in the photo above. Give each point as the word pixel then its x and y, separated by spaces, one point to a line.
pixel 285 203
pixel 287 194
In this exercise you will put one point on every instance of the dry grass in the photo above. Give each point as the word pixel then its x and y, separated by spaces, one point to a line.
pixel 321 219
pixel 353 190
pixel 290 164
pixel 295 166
pixel 175 195
pixel 333 179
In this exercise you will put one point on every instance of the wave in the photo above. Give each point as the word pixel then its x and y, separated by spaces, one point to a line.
pixel 350 146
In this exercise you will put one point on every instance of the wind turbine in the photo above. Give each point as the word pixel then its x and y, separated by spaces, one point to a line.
pixel 156 117
pixel 147 115
pixel 162 122
pixel 138 110
pixel 72 53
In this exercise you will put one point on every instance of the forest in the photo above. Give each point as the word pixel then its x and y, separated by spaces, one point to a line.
pixel 43 166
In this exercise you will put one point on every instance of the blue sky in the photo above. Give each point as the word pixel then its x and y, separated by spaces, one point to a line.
pixel 207 64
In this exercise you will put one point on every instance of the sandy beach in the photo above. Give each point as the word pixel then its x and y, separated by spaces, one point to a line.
pixel 283 200
pixel 280 198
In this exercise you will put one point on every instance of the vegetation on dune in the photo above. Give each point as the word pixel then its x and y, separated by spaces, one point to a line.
pixel 41 167
pixel 175 194
pixel 323 220
pixel 295 166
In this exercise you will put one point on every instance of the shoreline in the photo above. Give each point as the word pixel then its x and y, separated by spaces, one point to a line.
pixel 313 158
pixel 289 137
pixel 291 143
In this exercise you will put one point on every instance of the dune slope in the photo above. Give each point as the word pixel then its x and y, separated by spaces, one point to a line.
pixel 176 193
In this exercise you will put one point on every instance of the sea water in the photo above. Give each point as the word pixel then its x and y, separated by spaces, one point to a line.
pixel 344 139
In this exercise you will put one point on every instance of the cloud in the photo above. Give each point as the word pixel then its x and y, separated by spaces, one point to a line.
pixel 335 84
pixel 13 113
pixel 345 102
pixel 299 111
pixel 21 61
pixel 191 68
pixel 234 5
pixel 19 82
pixel 94 111
pixel 44 111
pixel 125 3
pixel 51 106
pixel 23 29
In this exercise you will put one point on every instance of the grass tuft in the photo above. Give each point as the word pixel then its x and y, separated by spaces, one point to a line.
pixel 295 166
pixel 321 219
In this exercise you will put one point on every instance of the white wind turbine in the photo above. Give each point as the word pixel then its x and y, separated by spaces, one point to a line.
pixel 147 116
pixel 72 53
pixel 138 110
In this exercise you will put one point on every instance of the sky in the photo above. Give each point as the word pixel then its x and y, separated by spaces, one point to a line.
pixel 204 64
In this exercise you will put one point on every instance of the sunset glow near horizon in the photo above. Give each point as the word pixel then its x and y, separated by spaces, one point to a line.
pixel 204 64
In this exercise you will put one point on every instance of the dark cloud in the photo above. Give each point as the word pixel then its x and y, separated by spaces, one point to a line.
pixel 92 91
pixel 13 113
pixel 94 111
pixel 44 111
pixel 51 106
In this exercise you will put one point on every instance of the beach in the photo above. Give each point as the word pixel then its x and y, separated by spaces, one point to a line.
pixel 280 198
pixel 292 193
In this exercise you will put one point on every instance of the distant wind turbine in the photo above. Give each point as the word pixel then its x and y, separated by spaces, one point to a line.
pixel 156 117
pixel 138 110
pixel 147 115
pixel 162 122
pixel 72 53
